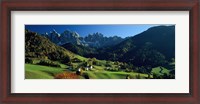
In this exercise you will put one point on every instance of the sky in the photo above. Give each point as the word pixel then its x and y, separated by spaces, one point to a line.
pixel 83 30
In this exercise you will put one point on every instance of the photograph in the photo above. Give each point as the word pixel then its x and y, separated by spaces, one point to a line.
pixel 98 51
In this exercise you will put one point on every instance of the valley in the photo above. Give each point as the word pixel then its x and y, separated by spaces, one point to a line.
pixel 148 55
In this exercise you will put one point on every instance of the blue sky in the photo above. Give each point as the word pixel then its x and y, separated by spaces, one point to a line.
pixel 83 30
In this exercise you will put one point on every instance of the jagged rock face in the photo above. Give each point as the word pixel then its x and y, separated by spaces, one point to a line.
pixel 96 37
pixel 96 40
pixel 53 36
pixel 70 37
pixel 99 40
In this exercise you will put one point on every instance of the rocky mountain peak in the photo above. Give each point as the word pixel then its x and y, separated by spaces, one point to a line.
pixel 93 40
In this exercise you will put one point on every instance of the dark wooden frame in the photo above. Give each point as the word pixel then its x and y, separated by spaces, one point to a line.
pixel 99 5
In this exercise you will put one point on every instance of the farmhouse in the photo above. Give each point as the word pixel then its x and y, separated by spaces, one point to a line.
pixel 88 67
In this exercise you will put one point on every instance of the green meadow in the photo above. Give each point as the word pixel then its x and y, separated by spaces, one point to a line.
pixel 70 55
pixel 46 72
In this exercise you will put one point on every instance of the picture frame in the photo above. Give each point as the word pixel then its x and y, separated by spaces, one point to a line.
pixel 7 6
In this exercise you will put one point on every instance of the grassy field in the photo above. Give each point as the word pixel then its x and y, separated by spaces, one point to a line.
pixel 41 72
pixel 45 72
pixel 35 71
pixel 113 75
pixel 160 70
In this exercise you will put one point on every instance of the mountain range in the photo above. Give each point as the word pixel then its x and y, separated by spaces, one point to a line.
pixel 95 40
pixel 153 47
pixel 37 46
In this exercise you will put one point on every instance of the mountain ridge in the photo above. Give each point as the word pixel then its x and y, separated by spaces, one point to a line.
pixel 158 40
pixel 95 40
